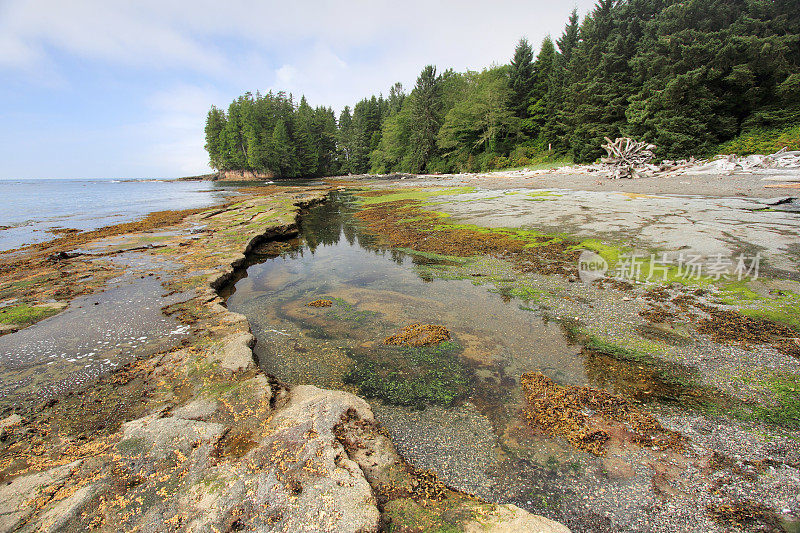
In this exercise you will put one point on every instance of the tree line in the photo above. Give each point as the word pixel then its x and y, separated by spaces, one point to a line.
pixel 683 75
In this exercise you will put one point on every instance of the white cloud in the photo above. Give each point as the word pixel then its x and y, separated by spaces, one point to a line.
pixel 127 33
pixel 334 52
pixel 175 136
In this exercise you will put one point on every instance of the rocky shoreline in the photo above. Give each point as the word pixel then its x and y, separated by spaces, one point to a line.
pixel 196 438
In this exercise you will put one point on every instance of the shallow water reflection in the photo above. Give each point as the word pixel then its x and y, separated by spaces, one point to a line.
pixel 470 431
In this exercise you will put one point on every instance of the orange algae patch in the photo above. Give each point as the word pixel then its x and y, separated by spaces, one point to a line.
pixel 404 224
pixel 588 417
pixel 746 514
pixel 320 303
pixel 419 335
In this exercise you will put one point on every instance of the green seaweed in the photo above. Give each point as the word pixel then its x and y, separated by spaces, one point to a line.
pixel 24 314
pixel 412 376
pixel 405 514
pixel 674 382
pixel 346 311
pixel 413 194
pixel 434 256
pixel 542 196
pixel 785 391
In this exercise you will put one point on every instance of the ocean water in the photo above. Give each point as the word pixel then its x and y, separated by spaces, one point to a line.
pixel 31 209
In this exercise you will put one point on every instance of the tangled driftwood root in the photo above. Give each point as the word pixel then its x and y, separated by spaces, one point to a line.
pixel 320 303
pixel 586 416
pixel 626 155
pixel 419 335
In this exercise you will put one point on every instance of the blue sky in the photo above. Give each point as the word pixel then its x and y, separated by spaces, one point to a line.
pixel 105 88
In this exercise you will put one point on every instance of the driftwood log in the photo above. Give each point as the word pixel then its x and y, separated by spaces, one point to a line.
pixel 626 156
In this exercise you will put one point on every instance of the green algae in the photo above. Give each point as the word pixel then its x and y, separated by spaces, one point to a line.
pixel 542 196
pixel 344 310
pixel 781 306
pixel 524 293
pixel 24 314
pixel 434 256
pixel 413 194
pixel 411 376
pixel 674 383
pixel 783 389
pixel 405 514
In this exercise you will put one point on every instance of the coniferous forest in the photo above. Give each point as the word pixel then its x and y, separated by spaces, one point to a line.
pixel 687 76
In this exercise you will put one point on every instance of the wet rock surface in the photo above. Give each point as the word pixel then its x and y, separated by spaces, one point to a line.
pixel 192 436
pixel 509 318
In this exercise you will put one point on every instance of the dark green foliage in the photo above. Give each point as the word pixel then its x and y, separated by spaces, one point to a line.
pixel 426 118
pixel 686 75
pixel 521 78
pixel 482 121
pixel 411 376
pixel 215 124
pixel 538 110
pixel 268 133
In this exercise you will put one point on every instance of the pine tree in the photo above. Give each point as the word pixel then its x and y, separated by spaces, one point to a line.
pixel 304 145
pixel 425 118
pixel 569 38
pixel 215 124
pixel 539 110
pixel 521 78
pixel 396 97
pixel 283 161
pixel 234 146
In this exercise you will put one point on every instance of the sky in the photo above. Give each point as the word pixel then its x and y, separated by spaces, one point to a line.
pixel 120 89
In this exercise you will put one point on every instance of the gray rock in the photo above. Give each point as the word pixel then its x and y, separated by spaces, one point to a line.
pixel 298 478
pixel 201 409
pixel 60 514
pixel 511 519
pixel 237 352
pixel 15 496
pixel 159 437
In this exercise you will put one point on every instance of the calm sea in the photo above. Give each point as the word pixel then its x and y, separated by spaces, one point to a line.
pixel 31 209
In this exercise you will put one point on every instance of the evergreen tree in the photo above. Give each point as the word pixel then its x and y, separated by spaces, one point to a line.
pixel 686 75
pixel 396 97
pixel 521 78
pixel 215 124
pixel 538 107
pixel 480 122
pixel 304 145
pixel 345 142
pixel 283 158
pixel 569 38
pixel 425 118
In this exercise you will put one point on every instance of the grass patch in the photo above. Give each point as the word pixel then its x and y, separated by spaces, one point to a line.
pixel 542 162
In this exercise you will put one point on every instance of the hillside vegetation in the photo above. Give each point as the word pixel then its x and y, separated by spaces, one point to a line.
pixel 687 76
